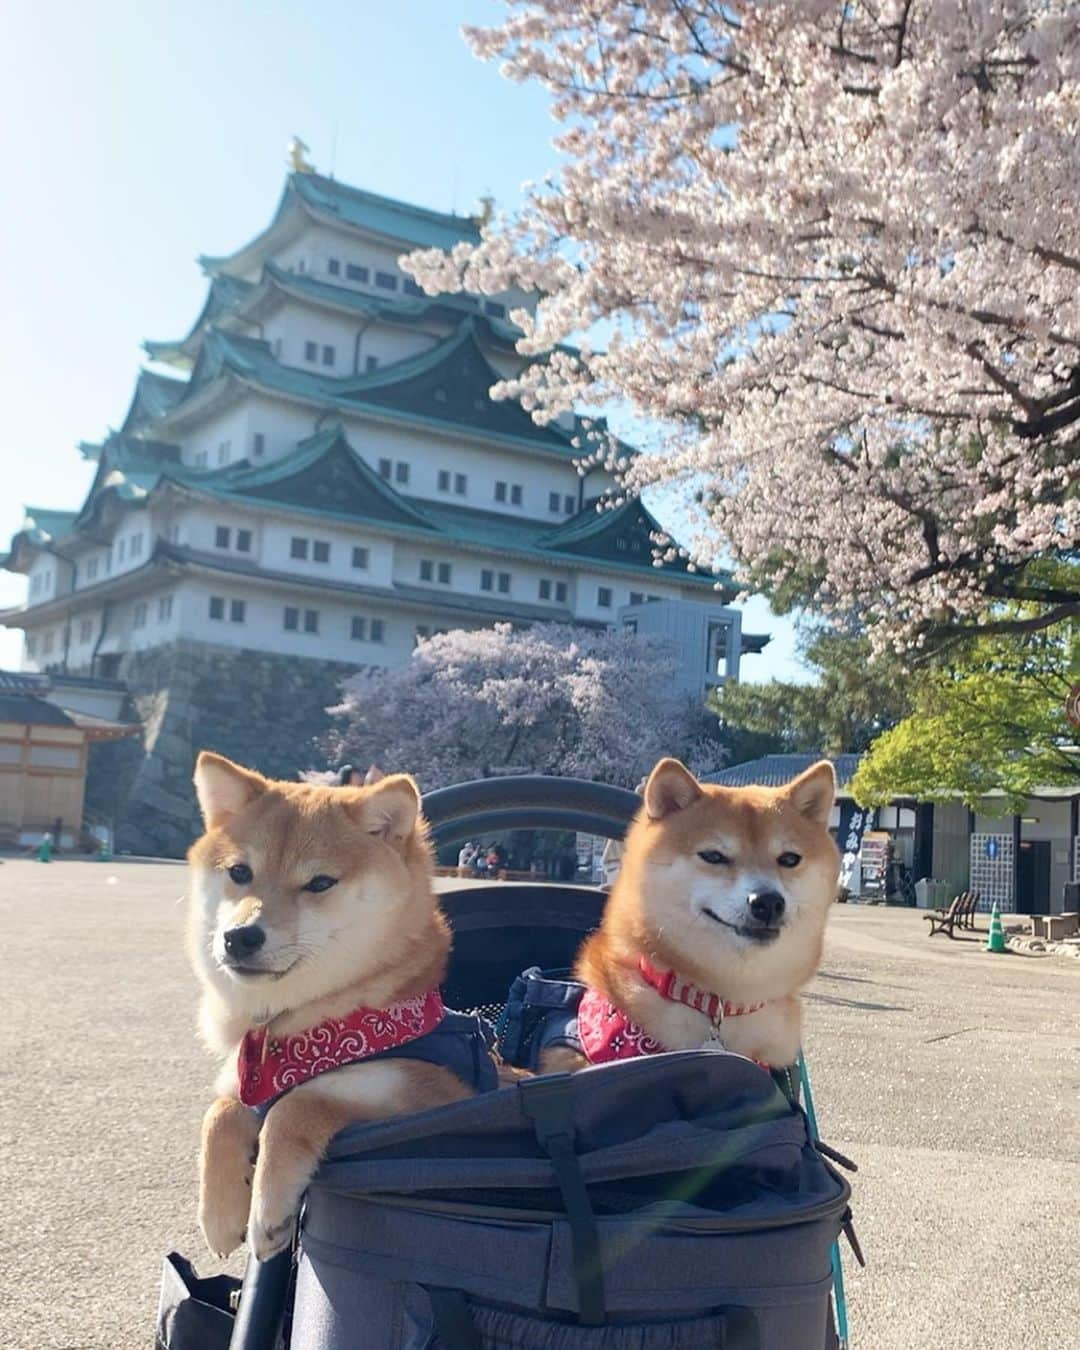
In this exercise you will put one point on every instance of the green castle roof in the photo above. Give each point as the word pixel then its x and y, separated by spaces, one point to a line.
pixel 229 296
pixel 325 477
pixel 327 200
pixel 444 387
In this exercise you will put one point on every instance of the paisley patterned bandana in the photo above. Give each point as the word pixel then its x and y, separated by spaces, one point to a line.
pixel 606 1033
pixel 269 1065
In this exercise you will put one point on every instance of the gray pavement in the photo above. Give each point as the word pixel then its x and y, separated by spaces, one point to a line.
pixel 951 1076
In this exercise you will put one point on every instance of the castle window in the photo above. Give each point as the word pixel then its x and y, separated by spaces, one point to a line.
pixel 223 451
pixel 164 609
pixel 386 468
pixel 515 495
pixel 360 556
pixel 560 592
pixel 47 643
pixel 554 502
pixel 86 630
pixel 494 309
pixel 222 536
pixel 328 356
pixel 460 484
pixel 91 569
pixel 401 472
pixel 311 351
pixel 487 580
pixel 636 598
pixel 121 549
pixel 333 266
pixel 545 589
pixel 277 349
pixel 354 272
pixel 444 574
pixel 200 459
pixel 311 620
pixel 603 597
pixel 427 570
pixel 444 480
pixel 298 548
pixel 292 619
pixel 259 445
pixel 243 541
pixel 439 395
pixel 422 631
pixel 500 492
pixel 217 607
pixel 504 583
pixel 31 644
pixel 320 551
pixel 371 363
pixel 378 630
pixel 411 288
pixel 359 628
pixel 237 611
pixel 569 505
pixel 135 548
pixel 386 281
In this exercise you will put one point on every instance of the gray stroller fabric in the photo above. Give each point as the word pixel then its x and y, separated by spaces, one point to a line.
pixel 666 1203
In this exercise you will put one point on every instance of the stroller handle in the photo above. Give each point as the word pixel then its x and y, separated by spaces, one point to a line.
pixel 529 802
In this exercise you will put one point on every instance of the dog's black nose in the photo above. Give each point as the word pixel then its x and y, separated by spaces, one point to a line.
pixel 244 940
pixel 766 906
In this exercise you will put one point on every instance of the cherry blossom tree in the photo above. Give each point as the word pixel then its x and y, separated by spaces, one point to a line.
pixel 552 699
pixel 836 246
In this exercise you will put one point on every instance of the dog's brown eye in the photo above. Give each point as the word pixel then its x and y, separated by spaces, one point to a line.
pixel 789 859
pixel 320 883
pixel 714 856
pixel 241 873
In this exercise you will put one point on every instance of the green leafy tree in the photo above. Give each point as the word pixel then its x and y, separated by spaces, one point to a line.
pixel 852 700
pixel 991 720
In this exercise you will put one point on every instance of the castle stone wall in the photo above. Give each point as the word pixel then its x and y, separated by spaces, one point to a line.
pixel 262 709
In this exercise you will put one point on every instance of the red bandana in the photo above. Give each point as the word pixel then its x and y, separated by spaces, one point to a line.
pixel 267 1068
pixel 606 1033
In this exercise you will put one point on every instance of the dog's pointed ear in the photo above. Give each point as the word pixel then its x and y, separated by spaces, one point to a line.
pixel 224 788
pixel 389 809
pixel 670 787
pixel 814 792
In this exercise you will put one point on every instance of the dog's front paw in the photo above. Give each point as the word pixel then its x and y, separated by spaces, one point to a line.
pixel 223 1216
pixel 273 1219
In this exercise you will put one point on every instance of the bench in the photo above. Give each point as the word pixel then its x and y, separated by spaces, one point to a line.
pixel 960 914
pixel 1054 927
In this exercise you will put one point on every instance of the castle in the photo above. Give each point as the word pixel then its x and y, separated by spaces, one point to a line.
pixel 320 479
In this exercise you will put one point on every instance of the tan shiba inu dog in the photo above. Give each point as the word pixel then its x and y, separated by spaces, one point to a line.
pixel 312 917
pixel 720 904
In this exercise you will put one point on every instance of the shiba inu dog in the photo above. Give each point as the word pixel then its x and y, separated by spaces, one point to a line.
pixel 320 945
pixel 714 922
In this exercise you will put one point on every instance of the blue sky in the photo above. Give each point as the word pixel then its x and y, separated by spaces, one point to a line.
pixel 135 136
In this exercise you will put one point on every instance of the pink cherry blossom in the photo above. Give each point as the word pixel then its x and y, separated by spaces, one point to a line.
pixel 837 250
pixel 553 699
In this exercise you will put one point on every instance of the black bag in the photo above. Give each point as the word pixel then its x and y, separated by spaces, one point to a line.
pixel 194 1313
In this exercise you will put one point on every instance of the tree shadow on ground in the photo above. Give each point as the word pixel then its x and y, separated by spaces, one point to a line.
pixel 855 1003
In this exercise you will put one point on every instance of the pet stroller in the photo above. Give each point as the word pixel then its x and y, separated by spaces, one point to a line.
pixel 676 1202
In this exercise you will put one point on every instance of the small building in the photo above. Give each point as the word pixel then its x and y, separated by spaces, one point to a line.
pixel 1021 860
pixel 44 752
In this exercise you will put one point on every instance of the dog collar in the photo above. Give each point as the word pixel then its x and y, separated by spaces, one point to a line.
pixel 668 985
pixel 268 1065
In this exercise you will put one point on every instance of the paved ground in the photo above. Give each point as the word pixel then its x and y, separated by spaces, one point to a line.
pixel 952 1076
